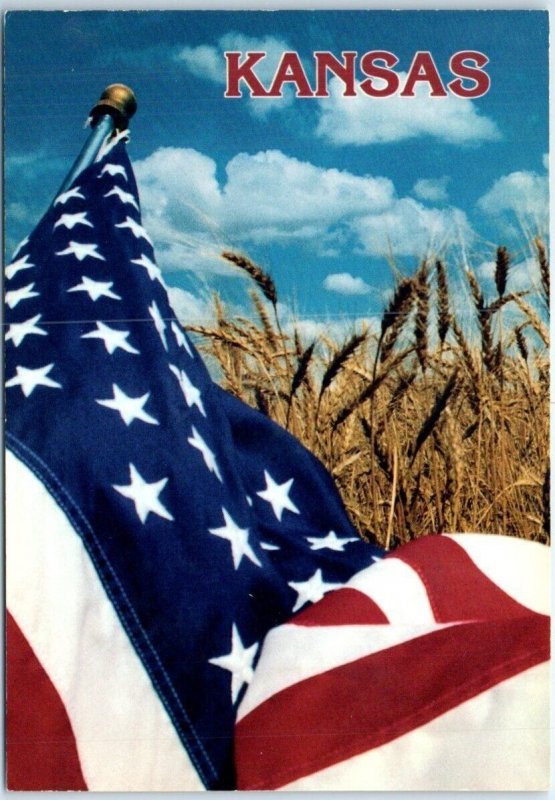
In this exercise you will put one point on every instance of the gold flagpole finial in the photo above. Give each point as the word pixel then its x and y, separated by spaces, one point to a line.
pixel 113 111
pixel 118 101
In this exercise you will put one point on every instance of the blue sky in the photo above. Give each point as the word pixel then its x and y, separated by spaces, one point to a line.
pixel 322 193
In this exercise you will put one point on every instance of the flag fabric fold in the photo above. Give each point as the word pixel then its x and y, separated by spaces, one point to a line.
pixel 428 671
pixel 205 523
pixel 181 571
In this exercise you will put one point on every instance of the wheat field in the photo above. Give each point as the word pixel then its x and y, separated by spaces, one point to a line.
pixel 425 426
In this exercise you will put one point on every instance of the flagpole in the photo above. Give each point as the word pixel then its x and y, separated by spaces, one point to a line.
pixel 116 106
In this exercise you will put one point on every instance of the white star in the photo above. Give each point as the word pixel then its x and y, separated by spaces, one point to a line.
pixel 16 266
pixel 180 338
pixel 111 337
pixel 144 495
pixel 95 289
pixel 81 251
pixel 312 590
pixel 239 539
pixel 125 197
pixel 17 295
pixel 197 441
pixel 330 542
pixel 113 169
pixel 191 393
pixel 159 323
pixel 137 230
pixel 65 196
pixel 20 246
pixel 268 546
pixel 129 408
pixel 71 220
pixel 153 269
pixel 277 494
pixel 238 662
pixel 19 330
pixel 28 379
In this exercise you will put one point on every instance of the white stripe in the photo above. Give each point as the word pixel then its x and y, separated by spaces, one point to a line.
pixel 293 653
pixel 520 567
pixel 126 741
pixel 498 741
pixel 397 589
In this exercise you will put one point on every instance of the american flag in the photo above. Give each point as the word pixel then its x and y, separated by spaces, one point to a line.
pixel 180 569
pixel 203 523
pixel 428 671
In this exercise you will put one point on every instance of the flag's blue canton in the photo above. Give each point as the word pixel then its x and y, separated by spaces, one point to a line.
pixel 207 523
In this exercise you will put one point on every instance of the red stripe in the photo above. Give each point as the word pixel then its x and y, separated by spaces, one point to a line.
pixel 341 607
pixel 456 588
pixel 41 752
pixel 361 705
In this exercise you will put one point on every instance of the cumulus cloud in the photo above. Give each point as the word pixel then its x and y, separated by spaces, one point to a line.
pixel 208 62
pixel 524 195
pixel 271 197
pixel 363 120
pixel 345 283
pixel 409 228
pixel 189 308
pixel 432 189
pixel 268 196
pixel 181 202
pixel 204 61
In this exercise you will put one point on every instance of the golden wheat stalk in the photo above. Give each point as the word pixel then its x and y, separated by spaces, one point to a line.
pixel 421 319
pixel 340 359
pixel 443 313
pixel 434 415
pixel 543 263
pixel 261 278
pixel 502 262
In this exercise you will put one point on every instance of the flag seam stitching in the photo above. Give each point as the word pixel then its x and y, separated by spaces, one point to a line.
pixel 27 455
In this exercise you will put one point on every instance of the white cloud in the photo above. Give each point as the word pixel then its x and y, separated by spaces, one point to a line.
pixel 432 189
pixel 409 228
pixel 191 309
pixel 276 195
pixel 345 283
pixel 271 45
pixel 363 120
pixel 204 61
pixel 266 197
pixel 524 195
pixel 182 208
pixel 208 62
pixel 271 197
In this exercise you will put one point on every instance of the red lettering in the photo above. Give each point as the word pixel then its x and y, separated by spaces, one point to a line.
pixel 290 70
pixel 467 66
pixel 345 71
pixel 237 72
pixel 481 80
pixel 423 68
pixel 373 71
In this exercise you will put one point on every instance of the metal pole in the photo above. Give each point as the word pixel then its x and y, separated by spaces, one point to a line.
pixel 116 106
